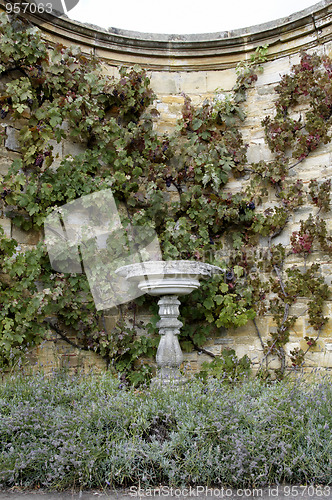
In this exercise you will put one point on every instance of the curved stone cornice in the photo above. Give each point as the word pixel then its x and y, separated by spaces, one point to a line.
pixel 303 30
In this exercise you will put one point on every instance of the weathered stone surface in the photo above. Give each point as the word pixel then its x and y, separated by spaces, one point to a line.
pixel 110 322
pixel 298 327
pixel 224 342
pixel 57 153
pixel 258 151
pixel 4 166
pixel 5 154
pixel 6 226
pixel 11 141
pixel 167 114
pixel 193 83
pixel 53 354
pixel 27 237
pixel 273 71
pixel 224 80
pixel 72 148
pixel 173 99
pixel 2 134
pixel 163 83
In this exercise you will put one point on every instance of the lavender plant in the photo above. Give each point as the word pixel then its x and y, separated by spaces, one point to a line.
pixel 58 93
pixel 62 431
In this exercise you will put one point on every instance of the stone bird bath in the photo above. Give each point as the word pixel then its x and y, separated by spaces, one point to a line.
pixel 168 279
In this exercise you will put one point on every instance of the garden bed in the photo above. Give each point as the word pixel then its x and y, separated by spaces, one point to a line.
pixel 62 431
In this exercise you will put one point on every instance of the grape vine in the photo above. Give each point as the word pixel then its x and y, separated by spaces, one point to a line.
pixel 59 94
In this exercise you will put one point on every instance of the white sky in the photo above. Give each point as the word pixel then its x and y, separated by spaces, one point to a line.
pixel 183 16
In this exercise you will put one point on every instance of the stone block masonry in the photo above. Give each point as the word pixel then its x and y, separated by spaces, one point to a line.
pixel 197 65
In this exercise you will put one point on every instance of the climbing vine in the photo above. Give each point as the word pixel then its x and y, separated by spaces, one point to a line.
pixel 61 94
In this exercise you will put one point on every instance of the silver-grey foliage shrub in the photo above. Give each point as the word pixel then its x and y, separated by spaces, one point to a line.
pixel 63 432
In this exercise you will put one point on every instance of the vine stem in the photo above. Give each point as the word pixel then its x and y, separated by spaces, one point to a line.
pixel 65 338
pixel 201 349
pixel 318 335
pixel 261 341
pixel 258 333
pixel 280 350
pixel 298 162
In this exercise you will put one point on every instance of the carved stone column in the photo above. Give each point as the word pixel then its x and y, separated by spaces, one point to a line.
pixel 169 355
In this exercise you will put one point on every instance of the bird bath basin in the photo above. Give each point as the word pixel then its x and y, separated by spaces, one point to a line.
pixel 168 279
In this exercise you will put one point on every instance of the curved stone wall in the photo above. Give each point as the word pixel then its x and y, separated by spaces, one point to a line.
pixel 211 51
pixel 196 65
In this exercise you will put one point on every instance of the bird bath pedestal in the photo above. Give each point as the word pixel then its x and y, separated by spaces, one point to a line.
pixel 168 279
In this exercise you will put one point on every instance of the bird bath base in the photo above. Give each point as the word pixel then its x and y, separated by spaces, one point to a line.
pixel 169 355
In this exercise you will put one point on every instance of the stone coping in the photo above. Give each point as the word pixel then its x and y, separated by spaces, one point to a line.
pixel 182 39
pixel 288 35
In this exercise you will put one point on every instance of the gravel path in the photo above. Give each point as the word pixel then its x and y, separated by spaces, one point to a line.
pixel 198 493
